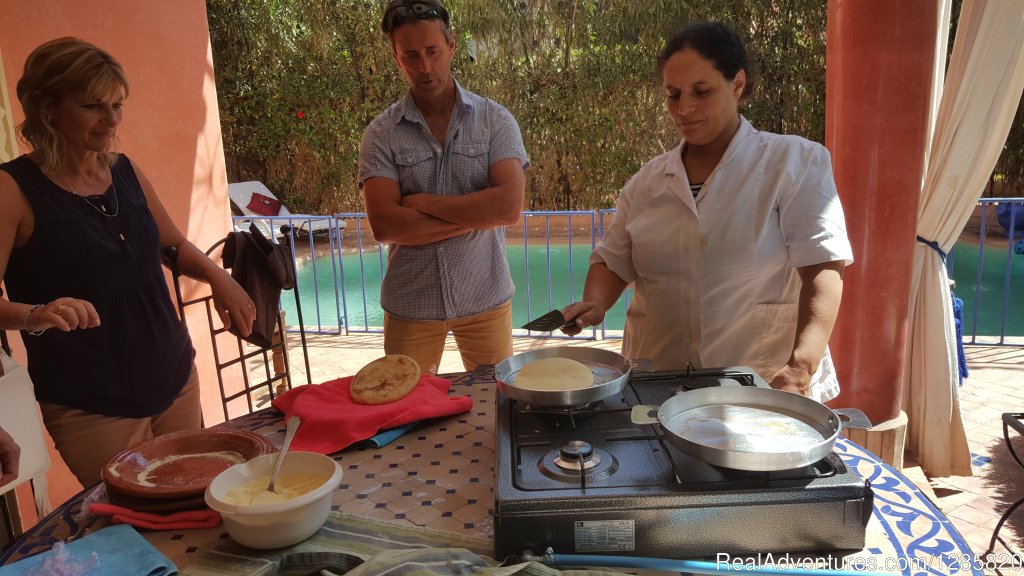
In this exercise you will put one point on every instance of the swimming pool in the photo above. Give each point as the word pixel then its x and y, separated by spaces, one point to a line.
pixel 556 274
pixel 992 292
pixel 554 278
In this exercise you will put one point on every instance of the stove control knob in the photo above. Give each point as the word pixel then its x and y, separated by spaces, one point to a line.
pixel 576 450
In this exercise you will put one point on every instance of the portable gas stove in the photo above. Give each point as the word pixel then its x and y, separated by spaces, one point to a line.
pixel 587 480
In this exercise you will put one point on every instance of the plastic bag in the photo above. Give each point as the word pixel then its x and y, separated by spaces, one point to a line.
pixel 61 564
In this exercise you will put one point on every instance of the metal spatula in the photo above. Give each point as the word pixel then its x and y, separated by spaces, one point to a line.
pixel 551 321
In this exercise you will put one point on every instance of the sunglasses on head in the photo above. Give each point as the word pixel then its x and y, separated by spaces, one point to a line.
pixel 411 12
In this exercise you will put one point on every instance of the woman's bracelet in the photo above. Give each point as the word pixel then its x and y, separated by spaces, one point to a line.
pixel 30 331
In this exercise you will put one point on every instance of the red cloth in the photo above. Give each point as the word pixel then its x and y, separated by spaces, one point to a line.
pixel 331 420
pixel 264 205
pixel 176 521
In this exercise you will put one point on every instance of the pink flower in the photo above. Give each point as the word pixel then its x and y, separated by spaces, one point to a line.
pixel 300 115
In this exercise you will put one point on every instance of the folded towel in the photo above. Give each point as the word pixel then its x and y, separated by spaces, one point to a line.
pixel 118 550
pixel 176 521
pixel 331 420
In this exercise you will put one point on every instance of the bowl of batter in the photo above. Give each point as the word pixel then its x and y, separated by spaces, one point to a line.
pixel 298 507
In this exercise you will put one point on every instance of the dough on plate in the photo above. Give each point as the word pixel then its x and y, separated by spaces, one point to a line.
pixel 554 374
pixel 385 380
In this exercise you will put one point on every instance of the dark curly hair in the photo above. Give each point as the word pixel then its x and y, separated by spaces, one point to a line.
pixel 718 43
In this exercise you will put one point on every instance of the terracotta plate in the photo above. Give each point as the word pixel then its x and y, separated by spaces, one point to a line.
pixel 181 464
pixel 156 505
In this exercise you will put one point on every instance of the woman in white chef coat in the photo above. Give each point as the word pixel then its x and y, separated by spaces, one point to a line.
pixel 734 241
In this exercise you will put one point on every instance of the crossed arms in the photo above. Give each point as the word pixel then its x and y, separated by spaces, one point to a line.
pixel 425 217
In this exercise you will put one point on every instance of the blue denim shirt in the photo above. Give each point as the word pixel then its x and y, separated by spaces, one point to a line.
pixel 466 274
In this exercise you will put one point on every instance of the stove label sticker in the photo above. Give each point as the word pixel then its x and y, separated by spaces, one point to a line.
pixel 605 536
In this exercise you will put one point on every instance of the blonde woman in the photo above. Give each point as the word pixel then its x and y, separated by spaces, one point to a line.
pixel 81 232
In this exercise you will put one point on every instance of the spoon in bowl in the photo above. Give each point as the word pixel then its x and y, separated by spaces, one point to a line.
pixel 290 427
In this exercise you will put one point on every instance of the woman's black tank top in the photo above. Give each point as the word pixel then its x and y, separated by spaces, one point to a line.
pixel 104 249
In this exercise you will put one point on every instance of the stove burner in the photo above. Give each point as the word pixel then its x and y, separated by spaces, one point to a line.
pixel 565 465
pixel 571 480
pixel 569 414
pixel 580 410
pixel 577 455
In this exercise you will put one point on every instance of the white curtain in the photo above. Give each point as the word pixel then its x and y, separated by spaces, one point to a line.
pixel 8 143
pixel 976 106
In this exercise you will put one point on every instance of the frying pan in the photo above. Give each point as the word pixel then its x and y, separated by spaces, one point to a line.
pixel 611 372
pixel 745 428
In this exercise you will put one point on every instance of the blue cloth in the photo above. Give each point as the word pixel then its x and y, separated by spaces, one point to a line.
pixel 958 321
pixel 1011 218
pixel 388 436
pixel 119 550
pixel 958 315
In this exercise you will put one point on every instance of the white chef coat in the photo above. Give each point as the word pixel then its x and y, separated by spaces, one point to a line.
pixel 714 277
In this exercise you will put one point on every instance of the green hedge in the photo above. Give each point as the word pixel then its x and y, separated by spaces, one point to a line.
pixel 299 80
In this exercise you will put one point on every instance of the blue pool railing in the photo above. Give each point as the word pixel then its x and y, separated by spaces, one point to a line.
pixel 339 273
pixel 986 267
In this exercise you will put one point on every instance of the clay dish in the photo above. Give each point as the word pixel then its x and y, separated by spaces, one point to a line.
pixel 181 464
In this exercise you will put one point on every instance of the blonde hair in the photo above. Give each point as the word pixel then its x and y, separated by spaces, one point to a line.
pixel 53 71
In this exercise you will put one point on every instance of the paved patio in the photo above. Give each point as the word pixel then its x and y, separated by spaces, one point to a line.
pixel 974 504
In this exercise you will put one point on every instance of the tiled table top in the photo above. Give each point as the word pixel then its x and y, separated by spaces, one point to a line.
pixel 441 474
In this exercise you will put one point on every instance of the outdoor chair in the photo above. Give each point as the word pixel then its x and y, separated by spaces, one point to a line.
pixel 1012 421
pixel 247 374
pixel 254 199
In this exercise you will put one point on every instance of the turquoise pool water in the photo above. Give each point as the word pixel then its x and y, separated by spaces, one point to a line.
pixel 1000 294
pixel 546 285
pixel 552 281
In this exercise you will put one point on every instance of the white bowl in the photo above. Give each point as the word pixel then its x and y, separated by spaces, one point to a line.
pixel 277 524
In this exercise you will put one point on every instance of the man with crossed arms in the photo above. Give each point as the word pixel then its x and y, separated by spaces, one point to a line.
pixel 441 172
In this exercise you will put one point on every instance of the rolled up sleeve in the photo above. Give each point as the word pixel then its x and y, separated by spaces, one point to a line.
pixel 375 156
pixel 811 215
pixel 615 249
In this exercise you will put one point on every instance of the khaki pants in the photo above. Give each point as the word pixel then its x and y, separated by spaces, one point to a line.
pixel 87 441
pixel 484 338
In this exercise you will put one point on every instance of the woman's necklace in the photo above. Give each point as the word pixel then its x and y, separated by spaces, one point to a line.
pixel 102 209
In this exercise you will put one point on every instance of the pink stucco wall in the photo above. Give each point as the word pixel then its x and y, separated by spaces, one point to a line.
pixel 171 125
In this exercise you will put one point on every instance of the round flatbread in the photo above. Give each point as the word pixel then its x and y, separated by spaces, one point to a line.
pixel 554 374
pixel 385 380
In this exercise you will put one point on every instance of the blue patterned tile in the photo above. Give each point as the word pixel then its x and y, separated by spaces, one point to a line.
pixel 977 460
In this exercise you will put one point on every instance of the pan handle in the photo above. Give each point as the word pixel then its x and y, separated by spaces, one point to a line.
pixel 641 365
pixel 853 418
pixel 644 414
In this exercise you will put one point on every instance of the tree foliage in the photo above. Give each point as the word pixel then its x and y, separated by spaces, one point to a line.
pixel 298 81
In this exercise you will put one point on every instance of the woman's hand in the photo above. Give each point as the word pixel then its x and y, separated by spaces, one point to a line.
pixel 65 314
pixel 232 303
pixel 581 315
pixel 792 379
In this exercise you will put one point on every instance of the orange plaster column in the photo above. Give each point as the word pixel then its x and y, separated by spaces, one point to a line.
pixel 879 59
